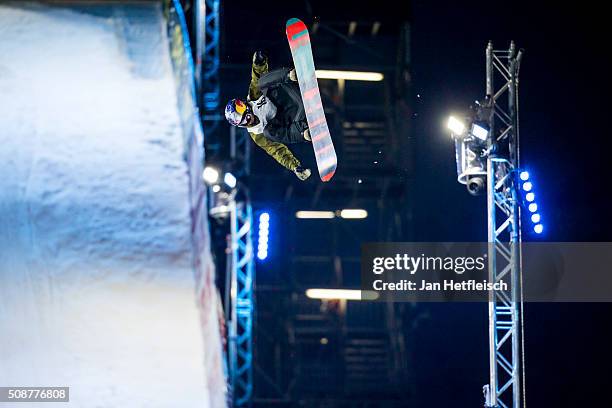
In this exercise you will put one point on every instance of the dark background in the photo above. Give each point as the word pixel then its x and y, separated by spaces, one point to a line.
pixel 564 119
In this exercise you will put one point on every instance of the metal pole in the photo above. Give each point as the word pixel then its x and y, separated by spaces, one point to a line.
pixel 515 237
pixel 233 324
pixel 492 400
pixel 199 17
pixel 504 237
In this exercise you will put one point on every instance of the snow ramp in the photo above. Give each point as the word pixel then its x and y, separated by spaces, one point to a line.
pixel 106 278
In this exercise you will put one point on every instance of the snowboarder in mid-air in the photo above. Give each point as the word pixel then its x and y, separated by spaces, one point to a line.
pixel 273 113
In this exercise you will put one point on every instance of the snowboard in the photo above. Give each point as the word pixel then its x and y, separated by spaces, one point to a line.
pixel 299 42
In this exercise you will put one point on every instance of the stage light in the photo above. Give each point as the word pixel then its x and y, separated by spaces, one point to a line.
pixel 535 218
pixel 530 197
pixel 264 235
pixel 354 214
pixel 533 207
pixel 538 228
pixel 210 175
pixel 346 294
pixel 216 188
pixel 524 175
pixel 220 211
pixel 230 180
pixel 455 126
pixel 527 186
pixel 480 131
pixel 315 215
pixel 349 75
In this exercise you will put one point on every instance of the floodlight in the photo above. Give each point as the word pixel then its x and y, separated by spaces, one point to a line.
pixel 210 175
pixel 475 185
pixel 346 294
pixel 353 214
pixel 230 180
pixel 315 214
pixel 479 131
pixel 455 126
pixel 349 75
pixel 264 234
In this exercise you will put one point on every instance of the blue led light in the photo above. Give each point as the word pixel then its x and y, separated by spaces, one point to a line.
pixel 538 228
pixel 264 235
pixel 533 207
pixel 524 175
pixel 535 218
pixel 527 186
pixel 530 197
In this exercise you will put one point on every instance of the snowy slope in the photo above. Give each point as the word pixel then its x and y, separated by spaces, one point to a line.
pixel 96 277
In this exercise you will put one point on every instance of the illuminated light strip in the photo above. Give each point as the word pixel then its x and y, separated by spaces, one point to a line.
pixel 354 214
pixel 346 294
pixel 315 215
pixel 349 75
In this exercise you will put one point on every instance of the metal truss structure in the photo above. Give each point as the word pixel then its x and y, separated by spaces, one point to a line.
pixel 210 83
pixel 504 229
pixel 241 271
pixel 240 151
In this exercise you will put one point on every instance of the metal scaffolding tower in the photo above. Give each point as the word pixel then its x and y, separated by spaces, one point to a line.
pixel 210 83
pixel 241 274
pixel 241 268
pixel 504 229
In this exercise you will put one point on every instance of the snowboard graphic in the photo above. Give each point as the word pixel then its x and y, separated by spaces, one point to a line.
pixel 299 41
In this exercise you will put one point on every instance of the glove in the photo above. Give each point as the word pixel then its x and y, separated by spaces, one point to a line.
pixel 293 75
pixel 302 173
pixel 259 58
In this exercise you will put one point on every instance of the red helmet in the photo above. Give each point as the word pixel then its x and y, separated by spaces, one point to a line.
pixel 235 112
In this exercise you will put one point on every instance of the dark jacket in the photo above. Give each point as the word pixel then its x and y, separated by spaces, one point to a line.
pixel 289 123
pixel 279 151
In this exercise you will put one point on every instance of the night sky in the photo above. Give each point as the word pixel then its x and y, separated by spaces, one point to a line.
pixel 563 122
pixel 564 133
